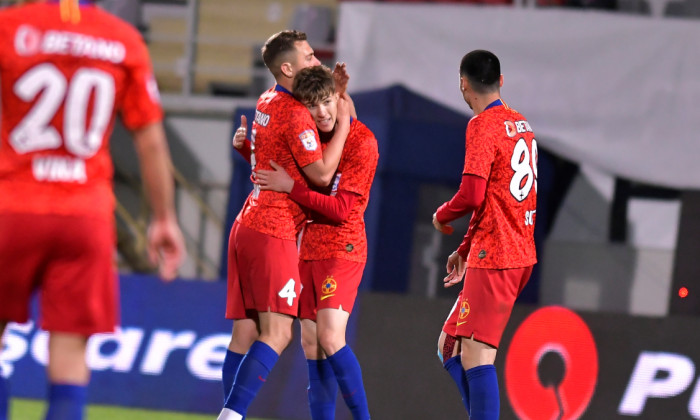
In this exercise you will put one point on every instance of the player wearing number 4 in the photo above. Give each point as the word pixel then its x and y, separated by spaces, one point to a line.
pixel 499 184
pixel 263 272
pixel 66 68
pixel 333 249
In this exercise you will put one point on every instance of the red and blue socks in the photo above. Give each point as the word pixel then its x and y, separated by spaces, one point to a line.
pixel 66 402
pixel 228 371
pixel 453 366
pixel 349 376
pixel 323 389
pixel 252 374
pixel 484 400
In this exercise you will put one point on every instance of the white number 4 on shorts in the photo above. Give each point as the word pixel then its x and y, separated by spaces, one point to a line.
pixel 288 292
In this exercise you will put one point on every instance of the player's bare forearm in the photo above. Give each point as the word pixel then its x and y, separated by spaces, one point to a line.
pixel 351 105
pixel 321 172
pixel 341 79
pixel 154 160
pixel 165 242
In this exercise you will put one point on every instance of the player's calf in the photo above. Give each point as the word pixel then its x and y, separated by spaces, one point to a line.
pixel 448 352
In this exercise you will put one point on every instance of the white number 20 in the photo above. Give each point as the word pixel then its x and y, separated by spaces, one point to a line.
pixel 524 164
pixel 288 292
pixel 35 131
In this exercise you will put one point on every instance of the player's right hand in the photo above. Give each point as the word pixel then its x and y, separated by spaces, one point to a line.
pixel 241 132
pixel 446 229
pixel 276 179
pixel 341 78
pixel 166 247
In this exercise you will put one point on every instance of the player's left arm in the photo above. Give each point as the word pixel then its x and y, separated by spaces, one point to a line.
pixel 165 242
pixel 142 114
pixel 320 172
pixel 336 208
pixel 469 197
pixel 478 158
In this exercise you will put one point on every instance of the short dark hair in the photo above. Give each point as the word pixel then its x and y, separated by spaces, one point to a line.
pixel 482 69
pixel 277 46
pixel 313 84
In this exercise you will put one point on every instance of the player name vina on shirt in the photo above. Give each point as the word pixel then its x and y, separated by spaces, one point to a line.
pixel 64 82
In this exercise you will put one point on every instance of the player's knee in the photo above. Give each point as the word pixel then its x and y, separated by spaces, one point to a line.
pixel 243 336
pixel 310 345
pixel 331 341
pixel 284 337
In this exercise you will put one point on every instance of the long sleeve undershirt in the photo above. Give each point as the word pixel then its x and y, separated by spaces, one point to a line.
pixel 469 197
pixel 335 208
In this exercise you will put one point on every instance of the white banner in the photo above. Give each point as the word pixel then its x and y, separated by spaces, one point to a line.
pixel 619 92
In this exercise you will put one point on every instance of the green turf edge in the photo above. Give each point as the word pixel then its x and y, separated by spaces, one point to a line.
pixel 25 409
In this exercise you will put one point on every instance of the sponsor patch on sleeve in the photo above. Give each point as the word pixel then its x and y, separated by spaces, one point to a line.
pixel 308 139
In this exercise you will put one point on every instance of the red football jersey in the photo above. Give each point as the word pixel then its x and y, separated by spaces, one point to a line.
pixel 348 240
pixel 502 149
pixel 62 84
pixel 283 131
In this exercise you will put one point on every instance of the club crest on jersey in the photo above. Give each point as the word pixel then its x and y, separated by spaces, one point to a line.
pixel 328 287
pixel 464 310
pixel 308 139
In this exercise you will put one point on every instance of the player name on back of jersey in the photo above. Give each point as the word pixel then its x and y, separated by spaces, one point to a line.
pixel 261 118
pixel 59 169
pixel 30 40
pixel 518 127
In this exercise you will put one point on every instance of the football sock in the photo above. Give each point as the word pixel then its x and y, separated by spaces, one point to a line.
pixel 349 375
pixel 251 376
pixel 484 400
pixel 323 389
pixel 4 397
pixel 66 402
pixel 228 372
pixel 453 366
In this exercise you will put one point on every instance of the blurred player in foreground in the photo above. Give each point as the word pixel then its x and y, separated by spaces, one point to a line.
pixel 66 69
pixel 499 184
pixel 333 248
pixel 263 283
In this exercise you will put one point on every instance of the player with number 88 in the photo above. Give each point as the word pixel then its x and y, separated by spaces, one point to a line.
pixel 499 184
